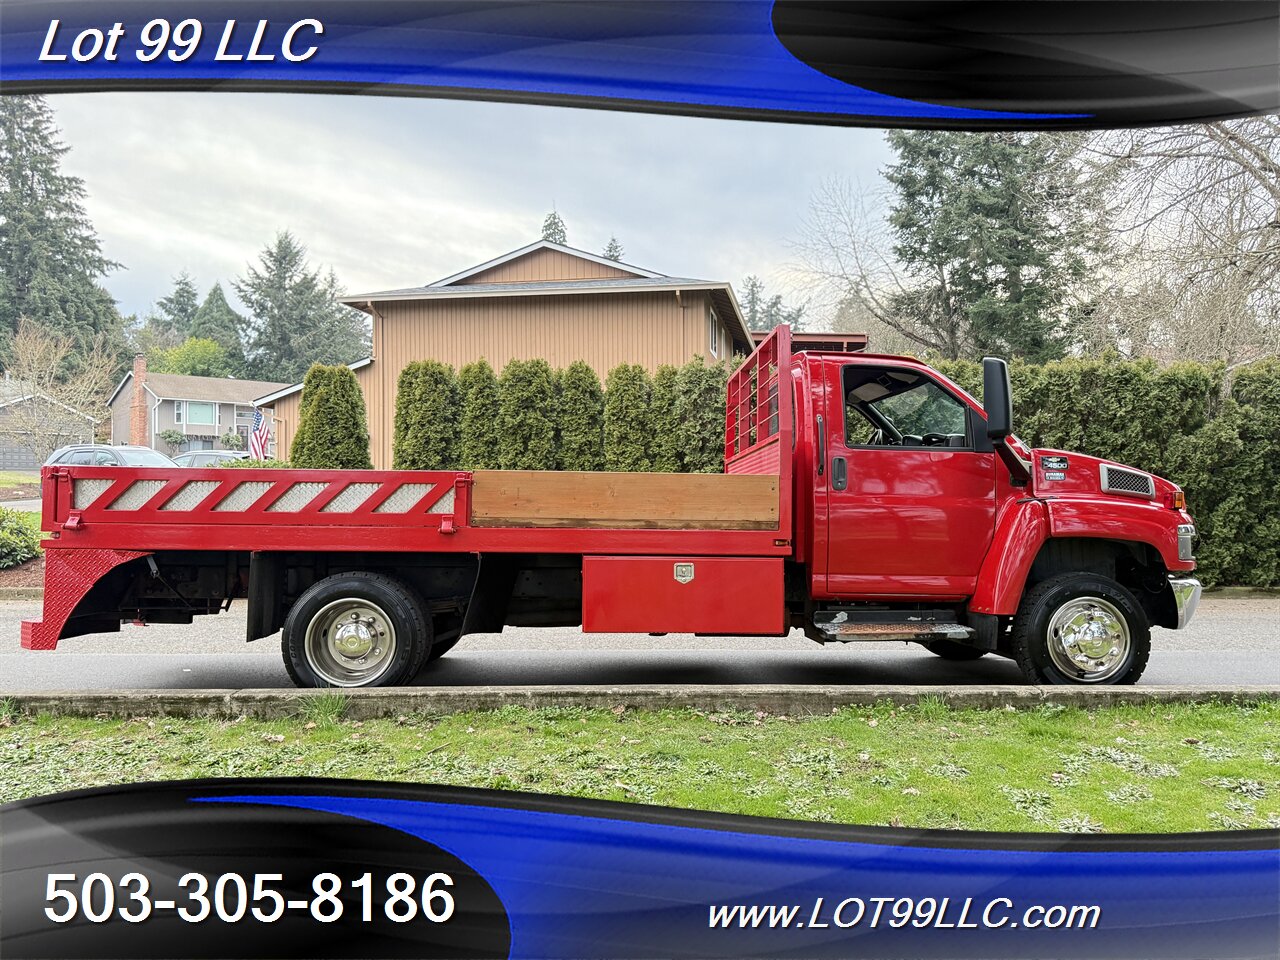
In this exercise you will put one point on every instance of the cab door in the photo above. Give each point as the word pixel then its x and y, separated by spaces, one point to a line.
pixel 910 485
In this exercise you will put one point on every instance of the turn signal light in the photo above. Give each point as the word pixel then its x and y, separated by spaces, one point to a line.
pixel 1178 500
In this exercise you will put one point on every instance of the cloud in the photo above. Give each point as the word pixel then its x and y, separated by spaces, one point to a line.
pixel 394 192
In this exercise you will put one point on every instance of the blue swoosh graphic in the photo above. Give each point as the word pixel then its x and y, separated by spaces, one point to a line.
pixel 722 54
pixel 584 885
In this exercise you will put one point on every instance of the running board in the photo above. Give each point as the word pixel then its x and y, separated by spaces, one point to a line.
pixel 844 631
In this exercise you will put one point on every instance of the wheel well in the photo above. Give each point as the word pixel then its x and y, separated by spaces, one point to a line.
pixel 1137 566
pixel 508 589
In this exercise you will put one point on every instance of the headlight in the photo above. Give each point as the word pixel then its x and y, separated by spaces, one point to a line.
pixel 1186 541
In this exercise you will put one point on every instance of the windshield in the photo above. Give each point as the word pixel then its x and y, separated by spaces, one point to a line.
pixel 144 458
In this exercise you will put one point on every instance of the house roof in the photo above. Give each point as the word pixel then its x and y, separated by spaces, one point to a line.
pixel 176 386
pixel 453 287
pixel 286 389
pixel 542 245
pixel 15 391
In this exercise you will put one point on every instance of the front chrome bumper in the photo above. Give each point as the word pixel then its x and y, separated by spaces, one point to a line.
pixel 1186 594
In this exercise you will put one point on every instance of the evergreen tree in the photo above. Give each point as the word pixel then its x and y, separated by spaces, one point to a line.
pixel 553 229
pixel 176 313
pixel 426 426
pixel 296 319
pixel 333 429
pixel 51 261
pixel 478 425
pixel 997 228
pixel 664 419
pixel 700 405
pixel 526 416
pixel 194 357
pixel 764 312
pixel 216 321
pixel 613 250
pixel 627 434
pixel 581 418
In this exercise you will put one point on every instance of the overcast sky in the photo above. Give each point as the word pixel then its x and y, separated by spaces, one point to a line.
pixel 396 192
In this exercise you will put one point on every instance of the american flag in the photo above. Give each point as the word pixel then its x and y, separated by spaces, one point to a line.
pixel 259 436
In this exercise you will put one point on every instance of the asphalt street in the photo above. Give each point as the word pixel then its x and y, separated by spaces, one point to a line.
pixel 1232 641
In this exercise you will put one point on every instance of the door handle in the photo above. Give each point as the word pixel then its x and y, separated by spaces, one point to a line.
pixel 839 473
pixel 822 447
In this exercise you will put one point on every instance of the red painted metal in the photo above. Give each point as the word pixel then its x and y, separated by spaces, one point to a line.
pixel 68 575
pixel 1021 529
pixel 912 521
pixel 760 426
pixel 646 595
pixel 1142 521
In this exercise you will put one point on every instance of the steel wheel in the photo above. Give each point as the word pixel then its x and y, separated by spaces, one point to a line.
pixel 1080 628
pixel 1088 639
pixel 357 629
pixel 350 642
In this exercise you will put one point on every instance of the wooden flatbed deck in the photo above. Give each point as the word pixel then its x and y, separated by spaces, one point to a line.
pixel 652 501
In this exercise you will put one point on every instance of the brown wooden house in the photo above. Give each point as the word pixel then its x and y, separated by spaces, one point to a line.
pixel 543 301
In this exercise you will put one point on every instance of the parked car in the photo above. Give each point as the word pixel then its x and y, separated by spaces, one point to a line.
pixel 208 458
pixel 104 455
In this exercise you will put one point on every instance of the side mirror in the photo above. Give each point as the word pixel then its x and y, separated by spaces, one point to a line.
pixel 996 398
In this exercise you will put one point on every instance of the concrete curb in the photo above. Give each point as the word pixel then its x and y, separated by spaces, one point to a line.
pixel 776 700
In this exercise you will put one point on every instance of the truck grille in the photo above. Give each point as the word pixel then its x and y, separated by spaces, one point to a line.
pixel 1131 483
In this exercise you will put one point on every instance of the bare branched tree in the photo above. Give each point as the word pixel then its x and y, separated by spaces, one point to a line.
pixel 56 392
pixel 846 256
pixel 1199 219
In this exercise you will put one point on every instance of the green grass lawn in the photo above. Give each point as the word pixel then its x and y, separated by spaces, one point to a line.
pixel 1134 769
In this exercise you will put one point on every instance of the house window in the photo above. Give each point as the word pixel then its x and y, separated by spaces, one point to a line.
pixel 713 332
pixel 177 411
pixel 200 414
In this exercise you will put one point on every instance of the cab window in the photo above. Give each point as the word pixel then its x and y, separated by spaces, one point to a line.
pixel 896 407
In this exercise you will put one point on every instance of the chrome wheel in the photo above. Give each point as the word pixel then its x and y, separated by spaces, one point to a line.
pixel 350 642
pixel 1088 639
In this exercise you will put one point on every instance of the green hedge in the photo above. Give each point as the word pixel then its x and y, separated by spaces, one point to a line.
pixel 19 537
pixel 537 418
pixel 1219 441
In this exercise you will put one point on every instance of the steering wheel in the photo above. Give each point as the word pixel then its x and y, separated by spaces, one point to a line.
pixel 935 440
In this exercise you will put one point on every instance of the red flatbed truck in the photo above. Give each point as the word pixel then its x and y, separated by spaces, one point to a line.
pixel 863 497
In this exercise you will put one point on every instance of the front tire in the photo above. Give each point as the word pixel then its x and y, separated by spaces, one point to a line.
pixel 1081 628
pixel 356 630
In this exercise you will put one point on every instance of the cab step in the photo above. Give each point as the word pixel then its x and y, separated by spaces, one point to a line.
pixel 845 626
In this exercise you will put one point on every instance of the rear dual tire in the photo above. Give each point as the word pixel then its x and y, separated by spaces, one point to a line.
pixel 356 630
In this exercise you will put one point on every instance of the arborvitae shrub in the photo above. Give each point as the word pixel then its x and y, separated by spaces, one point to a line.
pixel 478 424
pixel 666 449
pixel 333 430
pixel 426 427
pixel 627 431
pixel 581 418
pixel 700 406
pixel 526 416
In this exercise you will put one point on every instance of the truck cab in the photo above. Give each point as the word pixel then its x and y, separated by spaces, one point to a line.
pixel 930 520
